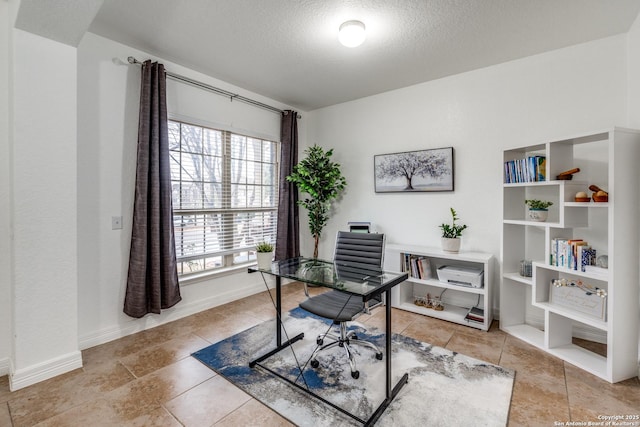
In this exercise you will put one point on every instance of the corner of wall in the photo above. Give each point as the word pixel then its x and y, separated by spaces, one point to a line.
pixel 633 75
pixel 21 378
pixel 5 189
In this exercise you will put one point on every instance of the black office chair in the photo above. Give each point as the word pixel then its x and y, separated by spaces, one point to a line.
pixel 356 256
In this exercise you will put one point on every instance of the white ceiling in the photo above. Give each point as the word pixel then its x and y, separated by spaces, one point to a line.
pixel 288 49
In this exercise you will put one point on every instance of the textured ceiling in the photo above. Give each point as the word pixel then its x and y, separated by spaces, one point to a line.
pixel 288 49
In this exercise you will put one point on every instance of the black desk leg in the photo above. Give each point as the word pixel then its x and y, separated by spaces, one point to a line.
pixel 279 343
pixel 278 311
pixel 391 392
pixel 387 307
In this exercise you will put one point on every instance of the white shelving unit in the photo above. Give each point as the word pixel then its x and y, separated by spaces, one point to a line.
pixel 608 159
pixel 457 299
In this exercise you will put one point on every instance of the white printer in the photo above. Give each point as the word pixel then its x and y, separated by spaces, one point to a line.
pixel 463 276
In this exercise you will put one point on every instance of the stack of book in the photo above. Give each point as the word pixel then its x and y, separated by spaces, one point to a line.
pixel 417 266
pixel 475 314
pixel 573 254
pixel 531 169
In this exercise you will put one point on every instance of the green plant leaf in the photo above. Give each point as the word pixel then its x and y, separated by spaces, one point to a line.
pixel 320 178
pixel 453 230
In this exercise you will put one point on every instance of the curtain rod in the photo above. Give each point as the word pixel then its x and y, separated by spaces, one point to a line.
pixel 216 90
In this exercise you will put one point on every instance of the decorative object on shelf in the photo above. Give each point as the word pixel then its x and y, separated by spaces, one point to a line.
pixel 306 175
pixel 581 196
pixel 525 268
pixel 579 296
pixel 538 209
pixel 599 195
pixel 436 304
pixel 414 171
pixel 264 254
pixel 427 301
pixel 451 233
pixel 602 261
pixel 567 175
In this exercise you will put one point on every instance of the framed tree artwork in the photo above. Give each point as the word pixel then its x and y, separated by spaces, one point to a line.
pixel 414 171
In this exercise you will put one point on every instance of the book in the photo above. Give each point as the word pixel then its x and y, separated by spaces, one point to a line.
pixel 572 249
pixel 425 265
pixel 475 314
pixel 528 169
pixel 419 267
pixel 541 164
pixel 559 251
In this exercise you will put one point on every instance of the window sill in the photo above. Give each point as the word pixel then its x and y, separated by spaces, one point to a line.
pixel 208 275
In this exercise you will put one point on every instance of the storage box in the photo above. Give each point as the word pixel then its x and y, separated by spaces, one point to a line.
pixel 577 299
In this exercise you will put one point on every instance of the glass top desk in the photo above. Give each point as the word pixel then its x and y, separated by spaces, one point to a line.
pixel 365 283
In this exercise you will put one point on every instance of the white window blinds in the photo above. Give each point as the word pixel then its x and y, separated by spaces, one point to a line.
pixel 224 195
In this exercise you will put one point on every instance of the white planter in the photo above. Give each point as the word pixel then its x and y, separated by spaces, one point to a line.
pixel 451 245
pixel 539 215
pixel 264 260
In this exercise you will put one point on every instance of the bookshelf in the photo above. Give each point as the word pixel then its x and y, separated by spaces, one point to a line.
pixel 608 159
pixel 456 299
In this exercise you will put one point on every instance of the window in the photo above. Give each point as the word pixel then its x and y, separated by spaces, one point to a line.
pixel 224 192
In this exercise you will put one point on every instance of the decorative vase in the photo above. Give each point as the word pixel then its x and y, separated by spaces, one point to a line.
pixel 264 260
pixel 538 215
pixel 451 245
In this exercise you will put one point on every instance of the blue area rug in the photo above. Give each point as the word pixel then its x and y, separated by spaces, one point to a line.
pixel 444 389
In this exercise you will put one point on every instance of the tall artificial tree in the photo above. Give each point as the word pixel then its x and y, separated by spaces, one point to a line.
pixel 321 179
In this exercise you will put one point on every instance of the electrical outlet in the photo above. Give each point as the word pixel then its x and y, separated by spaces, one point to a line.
pixel 116 222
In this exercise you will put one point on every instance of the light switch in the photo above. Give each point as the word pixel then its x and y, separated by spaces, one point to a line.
pixel 116 222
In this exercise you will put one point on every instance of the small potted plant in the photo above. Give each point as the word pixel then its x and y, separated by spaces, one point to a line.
pixel 538 209
pixel 451 234
pixel 264 254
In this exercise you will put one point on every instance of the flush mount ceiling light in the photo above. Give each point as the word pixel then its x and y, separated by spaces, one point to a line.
pixel 352 33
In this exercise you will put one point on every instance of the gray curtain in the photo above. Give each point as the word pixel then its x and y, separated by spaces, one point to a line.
pixel 288 234
pixel 152 282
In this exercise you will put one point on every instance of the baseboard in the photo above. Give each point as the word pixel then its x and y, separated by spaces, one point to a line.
pixel 179 311
pixel 4 366
pixel 25 377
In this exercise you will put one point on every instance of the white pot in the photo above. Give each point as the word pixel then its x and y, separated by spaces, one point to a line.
pixel 264 260
pixel 451 245
pixel 539 215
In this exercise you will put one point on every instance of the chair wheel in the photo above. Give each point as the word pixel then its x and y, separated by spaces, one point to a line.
pixel 355 374
pixel 379 356
pixel 319 341
pixel 315 363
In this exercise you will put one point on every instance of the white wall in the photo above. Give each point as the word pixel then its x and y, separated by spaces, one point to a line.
pixel 479 113
pixel 43 214
pixel 5 264
pixel 108 99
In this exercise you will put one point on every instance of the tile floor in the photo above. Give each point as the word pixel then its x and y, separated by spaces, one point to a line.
pixel 149 379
